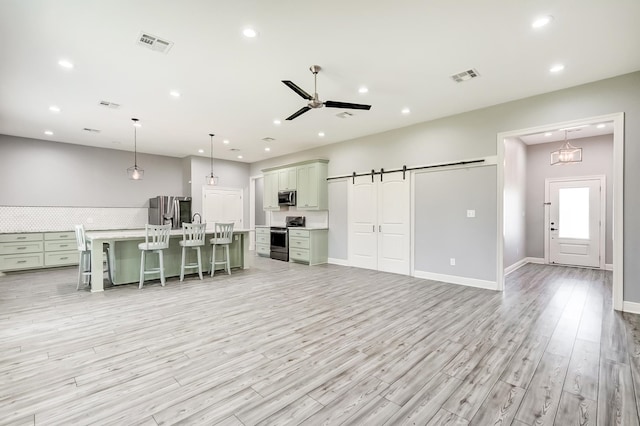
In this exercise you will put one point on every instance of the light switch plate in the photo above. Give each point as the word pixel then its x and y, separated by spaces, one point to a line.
pixel 471 213
pixel 452 261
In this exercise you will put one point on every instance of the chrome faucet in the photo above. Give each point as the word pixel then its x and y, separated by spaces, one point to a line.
pixel 193 219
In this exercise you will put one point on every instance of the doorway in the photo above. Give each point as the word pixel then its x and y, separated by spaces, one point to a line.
pixel 617 122
pixel 575 221
pixel 223 205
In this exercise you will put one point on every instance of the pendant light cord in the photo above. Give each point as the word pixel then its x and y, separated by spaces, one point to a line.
pixel 212 135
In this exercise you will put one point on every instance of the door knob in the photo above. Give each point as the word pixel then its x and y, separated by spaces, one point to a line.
pixel 554 229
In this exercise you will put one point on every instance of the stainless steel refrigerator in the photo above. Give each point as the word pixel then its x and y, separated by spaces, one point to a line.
pixel 169 209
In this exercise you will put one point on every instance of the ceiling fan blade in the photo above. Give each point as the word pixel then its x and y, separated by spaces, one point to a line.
pixel 346 105
pixel 298 113
pixel 291 85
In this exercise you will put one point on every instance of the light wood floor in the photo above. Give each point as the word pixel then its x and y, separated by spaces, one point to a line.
pixel 288 344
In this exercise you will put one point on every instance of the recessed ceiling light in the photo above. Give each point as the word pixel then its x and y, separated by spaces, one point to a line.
pixel 48 132
pixel 363 90
pixel 321 134
pixel 175 93
pixel 405 110
pixel 65 64
pixel 267 149
pixel 601 126
pixel 542 21
pixel 556 68
pixel 548 134
pixel 240 156
pixel 201 151
pixel 249 32
pixel 226 141
pixel 54 108
pixel 277 122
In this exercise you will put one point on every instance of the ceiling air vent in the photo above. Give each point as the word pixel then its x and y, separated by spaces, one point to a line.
pixel 154 43
pixel 344 114
pixel 86 129
pixel 108 104
pixel 268 139
pixel 465 75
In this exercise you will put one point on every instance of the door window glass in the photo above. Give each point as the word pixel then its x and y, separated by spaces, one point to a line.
pixel 573 205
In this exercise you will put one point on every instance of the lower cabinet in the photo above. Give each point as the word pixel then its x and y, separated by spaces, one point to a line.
pixel 308 246
pixel 37 250
pixel 263 241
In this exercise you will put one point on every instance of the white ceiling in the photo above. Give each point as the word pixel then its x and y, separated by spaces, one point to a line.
pixel 404 51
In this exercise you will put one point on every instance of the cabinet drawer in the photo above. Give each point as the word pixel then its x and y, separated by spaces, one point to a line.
pixel 263 239
pixel 295 243
pixel 59 245
pixel 263 250
pixel 17 248
pixel 298 233
pixel 262 231
pixel 20 261
pixel 54 236
pixel 299 254
pixel 10 238
pixel 61 258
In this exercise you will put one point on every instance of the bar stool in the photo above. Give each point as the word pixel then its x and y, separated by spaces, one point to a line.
pixel 192 237
pixel 223 236
pixel 155 241
pixel 84 261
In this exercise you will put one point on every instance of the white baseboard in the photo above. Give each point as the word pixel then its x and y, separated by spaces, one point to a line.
pixel 536 260
pixel 454 279
pixel 341 262
pixel 631 307
pixel 519 264
pixel 608 266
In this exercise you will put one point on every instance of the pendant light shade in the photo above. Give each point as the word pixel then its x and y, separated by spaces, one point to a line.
pixel 211 178
pixel 135 172
pixel 568 154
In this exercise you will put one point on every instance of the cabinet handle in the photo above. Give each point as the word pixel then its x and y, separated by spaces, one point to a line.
pixel 21 238
pixel 64 258
pixel 379 228
pixel 373 228
pixel 21 261
pixel 64 245
pixel 20 248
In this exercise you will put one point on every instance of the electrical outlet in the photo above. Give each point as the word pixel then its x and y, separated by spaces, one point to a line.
pixel 452 261
pixel 471 213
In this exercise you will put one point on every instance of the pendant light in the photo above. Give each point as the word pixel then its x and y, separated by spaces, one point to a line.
pixel 567 154
pixel 211 178
pixel 135 172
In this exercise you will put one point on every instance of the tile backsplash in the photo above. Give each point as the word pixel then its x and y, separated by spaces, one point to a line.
pixel 313 219
pixel 45 219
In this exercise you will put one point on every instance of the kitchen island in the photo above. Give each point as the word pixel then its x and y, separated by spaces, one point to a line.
pixel 125 255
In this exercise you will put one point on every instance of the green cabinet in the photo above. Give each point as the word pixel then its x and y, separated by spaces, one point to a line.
pixel 307 178
pixel 308 246
pixel 270 197
pixel 263 241
pixel 37 250
pixel 287 179
pixel 312 186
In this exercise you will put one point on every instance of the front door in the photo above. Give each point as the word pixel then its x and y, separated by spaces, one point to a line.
pixel 574 227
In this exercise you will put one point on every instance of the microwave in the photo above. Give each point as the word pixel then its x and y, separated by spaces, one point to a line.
pixel 286 198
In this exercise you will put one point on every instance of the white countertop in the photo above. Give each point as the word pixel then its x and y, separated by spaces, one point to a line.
pixel 127 234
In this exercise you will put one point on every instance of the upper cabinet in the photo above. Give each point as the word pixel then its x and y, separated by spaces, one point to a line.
pixel 308 179
pixel 270 196
pixel 312 186
pixel 287 179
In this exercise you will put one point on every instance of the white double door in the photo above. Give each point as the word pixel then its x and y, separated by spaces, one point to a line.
pixel 223 205
pixel 379 223
pixel 575 221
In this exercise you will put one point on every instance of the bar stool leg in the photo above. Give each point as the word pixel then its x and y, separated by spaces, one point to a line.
pixel 141 268
pixel 182 265
pixel 199 262
pixel 213 260
pixel 161 257
pixel 226 249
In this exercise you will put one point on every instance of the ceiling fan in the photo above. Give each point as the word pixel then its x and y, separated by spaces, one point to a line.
pixel 314 101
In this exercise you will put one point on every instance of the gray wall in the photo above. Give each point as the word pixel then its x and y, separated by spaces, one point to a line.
pixel 473 134
pixel 515 191
pixel 42 173
pixel 231 174
pixel 443 230
pixel 260 214
pixel 338 219
pixel 597 159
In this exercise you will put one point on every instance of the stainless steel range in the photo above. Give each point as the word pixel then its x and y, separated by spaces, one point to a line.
pixel 280 237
